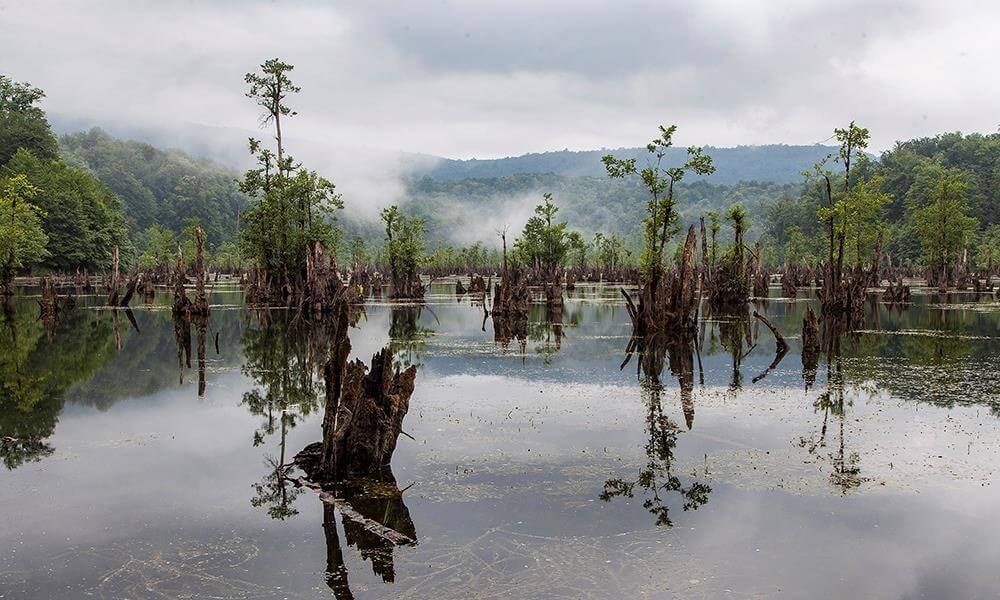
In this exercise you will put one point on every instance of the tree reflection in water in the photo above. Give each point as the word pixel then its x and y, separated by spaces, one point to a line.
pixel 407 337
pixel 364 504
pixel 38 364
pixel 845 474
pixel 656 480
pixel 284 357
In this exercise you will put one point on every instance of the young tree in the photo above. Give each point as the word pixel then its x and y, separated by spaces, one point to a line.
pixel 157 248
pixel 22 241
pixel 941 221
pixel 543 243
pixel 852 140
pixel 403 250
pixel 661 209
pixel 578 247
pixel 293 205
pixel 857 218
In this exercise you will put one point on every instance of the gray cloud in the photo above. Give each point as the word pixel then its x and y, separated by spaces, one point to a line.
pixel 492 78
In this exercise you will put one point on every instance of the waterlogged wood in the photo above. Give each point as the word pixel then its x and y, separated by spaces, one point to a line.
pixel 348 512
pixel 782 345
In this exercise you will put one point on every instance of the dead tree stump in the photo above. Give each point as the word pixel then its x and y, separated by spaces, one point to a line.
pixel 364 415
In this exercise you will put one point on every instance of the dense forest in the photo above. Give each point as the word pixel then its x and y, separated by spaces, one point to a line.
pixel 167 188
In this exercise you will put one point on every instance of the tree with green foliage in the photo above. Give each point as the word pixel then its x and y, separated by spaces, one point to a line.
pixel 577 248
pixel 23 123
pixel 857 218
pixel 609 251
pixel 291 206
pixel 939 213
pixel 81 217
pixel 403 251
pixel 157 247
pixel 661 209
pixel 160 187
pixel 22 240
pixel 799 248
pixel 988 250
pixel 852 140
pixel 544 243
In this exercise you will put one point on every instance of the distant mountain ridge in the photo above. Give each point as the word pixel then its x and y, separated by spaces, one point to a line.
pixel 776 163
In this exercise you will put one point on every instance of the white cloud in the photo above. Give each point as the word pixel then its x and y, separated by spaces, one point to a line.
pixel 493 78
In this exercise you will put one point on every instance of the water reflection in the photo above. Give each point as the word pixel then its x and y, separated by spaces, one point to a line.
pixel 375 520
pixel 283 356
pixel 657 479
pixel 407 335
pixel 37 367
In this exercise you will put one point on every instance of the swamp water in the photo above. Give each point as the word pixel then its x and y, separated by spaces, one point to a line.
pixel 548 470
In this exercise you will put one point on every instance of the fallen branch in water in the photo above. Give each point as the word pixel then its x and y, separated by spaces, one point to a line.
pixel 370 525
pixel 778 338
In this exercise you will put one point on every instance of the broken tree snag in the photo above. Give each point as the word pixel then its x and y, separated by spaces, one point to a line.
pixel 790 279
pixel 760 276
pixel 200 307
pixel 324 291
pixel 668 300
pixel 114 285
pixel 477 285
pixel 49 303
pixel 182 305
pixel 511 297
pixel 363 415
pixel 553 282
pixel 896 292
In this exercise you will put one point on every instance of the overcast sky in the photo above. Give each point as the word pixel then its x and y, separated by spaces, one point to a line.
pixel 484 78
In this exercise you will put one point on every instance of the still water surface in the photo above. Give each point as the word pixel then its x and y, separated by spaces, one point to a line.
pixel 542 471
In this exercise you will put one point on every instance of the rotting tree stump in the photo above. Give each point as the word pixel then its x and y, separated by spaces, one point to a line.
pixel 363 417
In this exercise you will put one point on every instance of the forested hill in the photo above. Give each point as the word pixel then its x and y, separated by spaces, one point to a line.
pixel 167 188
pixel 771 163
